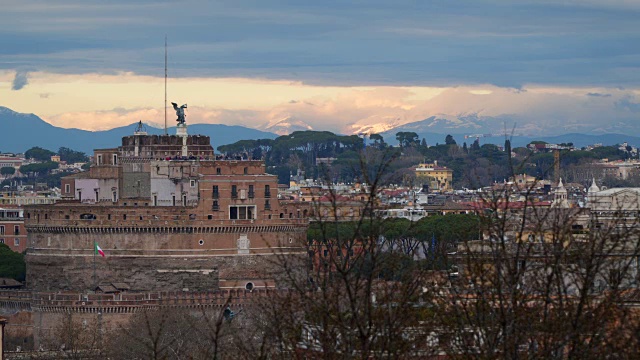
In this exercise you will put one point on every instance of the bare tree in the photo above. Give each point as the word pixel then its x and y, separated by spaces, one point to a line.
pixel 539 282
pixel 543 283
pixel 73 337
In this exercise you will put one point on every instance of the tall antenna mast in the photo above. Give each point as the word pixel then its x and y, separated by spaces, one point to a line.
pixel 165 84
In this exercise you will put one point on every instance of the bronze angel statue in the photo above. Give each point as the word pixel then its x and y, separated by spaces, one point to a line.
pixel 180 112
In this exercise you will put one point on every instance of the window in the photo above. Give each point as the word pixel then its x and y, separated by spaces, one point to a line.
pixel 192 183
pixel 67 188
pixel 184 200
pixel 267 191
pixel 267 205
pixel 115 196
pixel 251 192
pixel 1 241
pixel 155 200
pixel 115 159
pixel 215 206
pixel 218 171
pixel 234 191
pixel 79 195
pixel 16 242
pixel 16 228
pixel 96 195
pixel 216 192
pixel 173 200
pixel 246 171
pixel 1 229
pixel 242 212
pixel 99 161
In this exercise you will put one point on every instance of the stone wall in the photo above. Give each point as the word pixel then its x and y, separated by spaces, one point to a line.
pixel 135 185
pixel 41 325
pixel 180 260
pixel 19 329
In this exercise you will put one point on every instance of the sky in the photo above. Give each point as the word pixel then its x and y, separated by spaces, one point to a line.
pixel 341 66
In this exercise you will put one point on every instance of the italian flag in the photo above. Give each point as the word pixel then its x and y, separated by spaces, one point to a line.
pixel 98 249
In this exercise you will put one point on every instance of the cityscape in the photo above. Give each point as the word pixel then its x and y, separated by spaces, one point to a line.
pixel 253 181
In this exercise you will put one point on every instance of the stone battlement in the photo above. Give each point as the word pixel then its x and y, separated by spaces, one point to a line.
pixel 77 302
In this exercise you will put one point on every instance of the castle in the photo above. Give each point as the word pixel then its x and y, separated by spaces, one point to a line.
pixel 178 225
pixel 169 215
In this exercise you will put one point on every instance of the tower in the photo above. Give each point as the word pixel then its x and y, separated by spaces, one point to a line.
pixel 560 196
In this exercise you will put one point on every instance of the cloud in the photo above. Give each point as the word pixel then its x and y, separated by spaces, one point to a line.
pixel 96 101
pixel 628 103
pixel 20 80
pixel 563 43
pixel 537 111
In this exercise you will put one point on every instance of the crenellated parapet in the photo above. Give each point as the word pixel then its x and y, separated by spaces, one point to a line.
pixel 129 303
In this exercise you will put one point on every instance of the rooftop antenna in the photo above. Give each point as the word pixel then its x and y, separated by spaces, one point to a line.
pixel 165 84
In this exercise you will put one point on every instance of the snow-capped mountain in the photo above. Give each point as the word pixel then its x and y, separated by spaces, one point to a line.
pixel 440 123
pixel 443 123
pixel 285 126
pixel 380 126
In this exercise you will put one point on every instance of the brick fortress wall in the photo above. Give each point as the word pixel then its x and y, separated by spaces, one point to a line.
pixel 36 317
pixel 154 248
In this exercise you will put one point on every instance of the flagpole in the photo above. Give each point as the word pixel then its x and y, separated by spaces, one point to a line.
pixel 94 267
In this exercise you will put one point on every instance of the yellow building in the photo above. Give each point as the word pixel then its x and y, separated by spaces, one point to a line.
pixel 437 177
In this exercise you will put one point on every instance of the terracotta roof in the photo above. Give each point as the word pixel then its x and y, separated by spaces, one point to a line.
pixel 8 282
pixel 106 288
pixel 121 286
pixel 503 205
pixel 393 192
pixel 330 198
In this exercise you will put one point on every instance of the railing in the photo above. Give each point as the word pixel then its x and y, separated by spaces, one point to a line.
pixel 218 297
